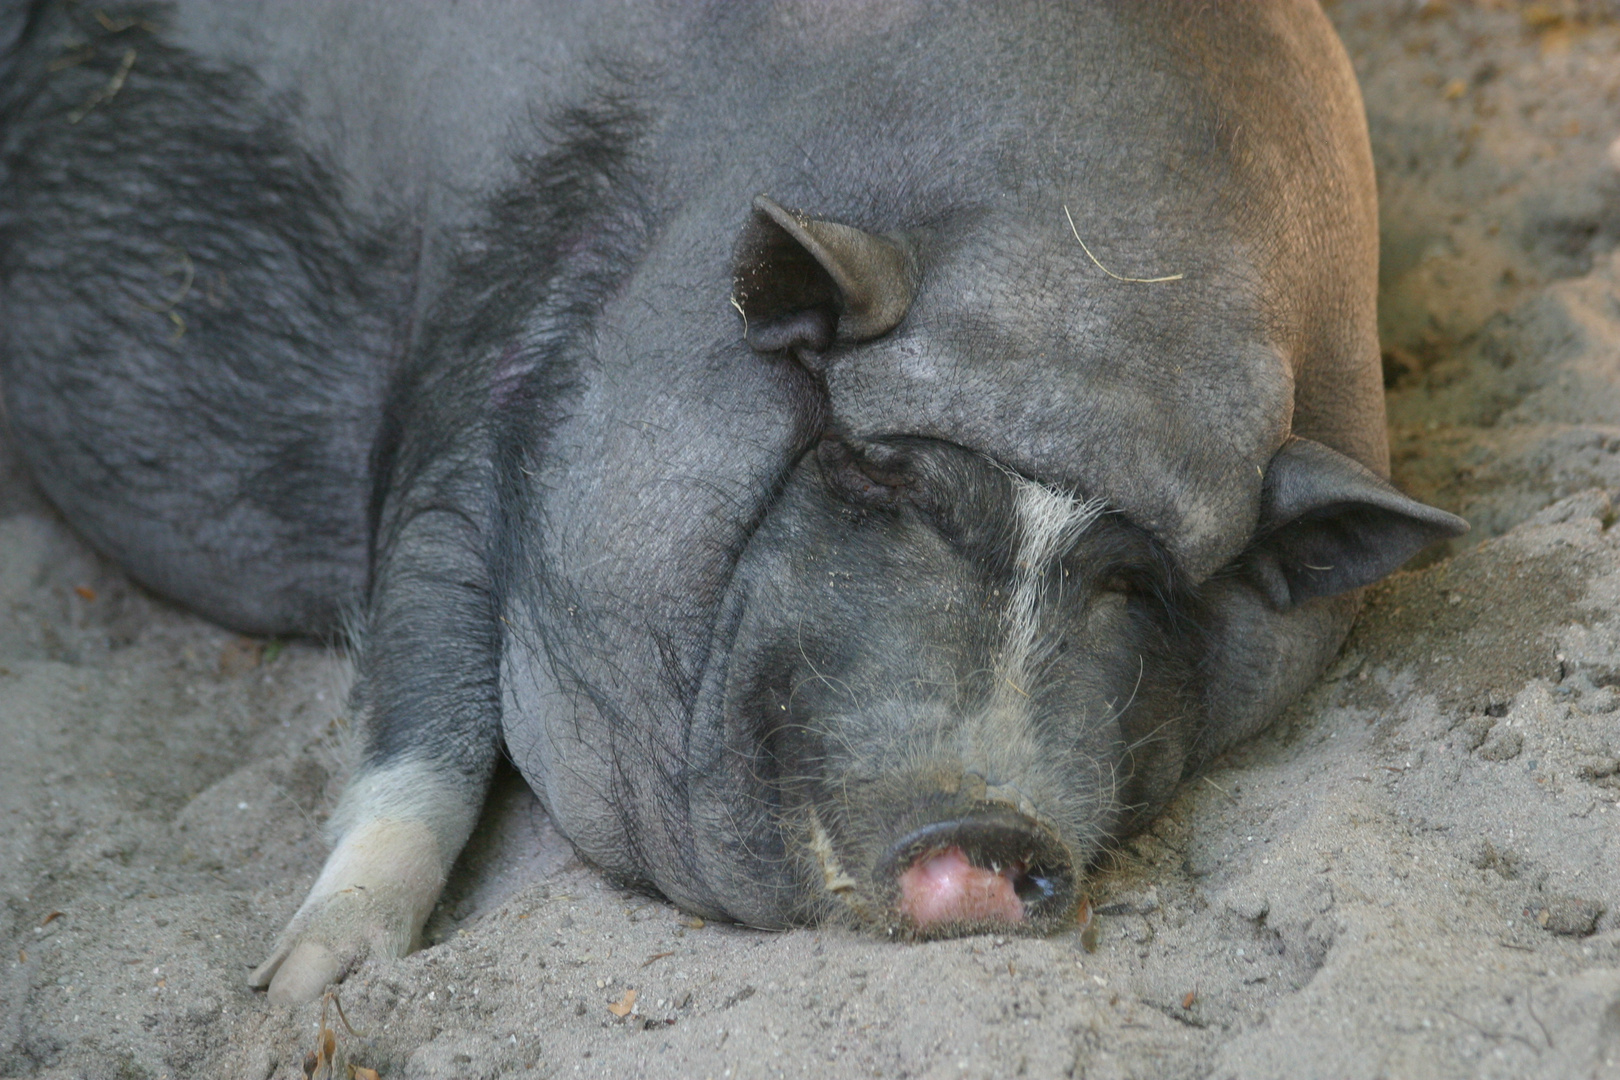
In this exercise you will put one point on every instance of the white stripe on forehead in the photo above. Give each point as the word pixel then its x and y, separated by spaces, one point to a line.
pixel 1049 523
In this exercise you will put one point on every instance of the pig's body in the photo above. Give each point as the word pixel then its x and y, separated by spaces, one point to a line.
pixel 877 558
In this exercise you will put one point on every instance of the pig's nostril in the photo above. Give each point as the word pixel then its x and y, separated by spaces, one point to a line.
pixel 989 867
pixel 1035 889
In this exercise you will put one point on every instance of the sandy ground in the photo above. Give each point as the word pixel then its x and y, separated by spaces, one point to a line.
pixel 1416 874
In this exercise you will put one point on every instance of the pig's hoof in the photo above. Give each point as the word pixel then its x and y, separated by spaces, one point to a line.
pixel 298 973
pixel 370 901
pixel 322 946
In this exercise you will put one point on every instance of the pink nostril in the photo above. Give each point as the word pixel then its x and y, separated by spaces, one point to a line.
pixel 945 887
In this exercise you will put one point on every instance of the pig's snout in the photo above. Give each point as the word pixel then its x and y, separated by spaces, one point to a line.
pixel 987 868
pixel 946 887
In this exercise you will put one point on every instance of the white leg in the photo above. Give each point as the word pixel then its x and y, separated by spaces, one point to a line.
pixel 401 828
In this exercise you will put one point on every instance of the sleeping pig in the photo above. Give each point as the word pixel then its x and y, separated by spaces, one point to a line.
pixel 854 458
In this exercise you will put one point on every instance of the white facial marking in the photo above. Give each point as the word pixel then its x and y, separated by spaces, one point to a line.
pixel 1049 523
pixel 832 871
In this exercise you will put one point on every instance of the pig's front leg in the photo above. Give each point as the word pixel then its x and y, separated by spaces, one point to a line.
pixel 429 699
pixel 404 828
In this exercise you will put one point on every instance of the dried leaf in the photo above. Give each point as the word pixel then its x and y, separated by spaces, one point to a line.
pixel 325 1051
pixel 52 917
pixel 1090 929
pixel 1187 1002
pixel 239 655
pixel 86 593
pixel 622 1007
pixel 1542 16
pixel 360 1072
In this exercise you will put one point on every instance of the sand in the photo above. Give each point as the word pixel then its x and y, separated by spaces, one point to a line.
pixel 1415 874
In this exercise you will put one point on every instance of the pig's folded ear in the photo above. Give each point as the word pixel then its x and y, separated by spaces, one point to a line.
pixel 804 283
pixel 1329 525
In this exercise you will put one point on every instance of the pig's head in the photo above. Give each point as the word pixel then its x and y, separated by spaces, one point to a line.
pixel 950 683
pixel 956 681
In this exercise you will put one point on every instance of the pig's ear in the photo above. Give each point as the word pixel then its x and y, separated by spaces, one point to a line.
pixel 1329 525
pixel 804 283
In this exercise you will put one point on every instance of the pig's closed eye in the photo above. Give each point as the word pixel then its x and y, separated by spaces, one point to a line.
pixel 959 492
pixel 1132 583
pixel 855 478
pixel 1123 562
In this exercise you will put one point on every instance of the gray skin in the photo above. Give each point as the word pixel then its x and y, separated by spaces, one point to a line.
pixel 724 408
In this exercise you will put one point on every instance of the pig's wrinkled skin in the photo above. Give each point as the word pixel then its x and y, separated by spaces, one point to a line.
pixel 724 408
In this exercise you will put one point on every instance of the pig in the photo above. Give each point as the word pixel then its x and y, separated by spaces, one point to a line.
pixel 853 458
